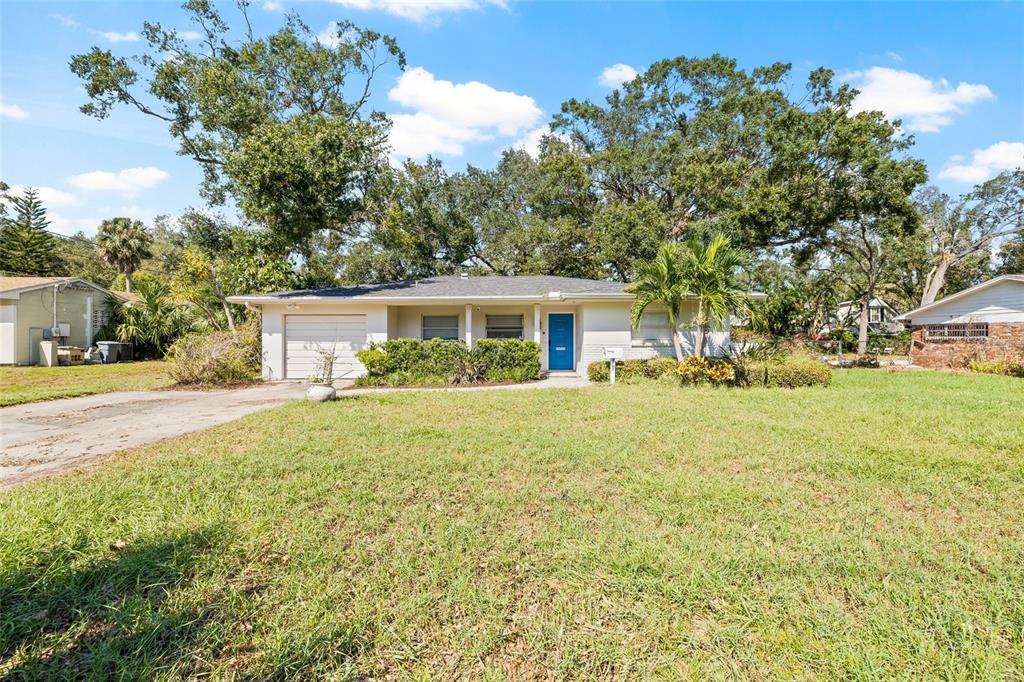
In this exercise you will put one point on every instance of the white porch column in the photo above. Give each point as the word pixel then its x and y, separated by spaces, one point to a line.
pixel 536 322
pixel 469 326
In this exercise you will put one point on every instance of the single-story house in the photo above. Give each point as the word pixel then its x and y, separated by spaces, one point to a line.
pixel 572 319
pixel 985 322
pixel 30 308
pixel 881 316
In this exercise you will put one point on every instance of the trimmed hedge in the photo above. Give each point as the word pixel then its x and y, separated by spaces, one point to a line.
pixel 631 370
pixel 790 373
pixel 443 362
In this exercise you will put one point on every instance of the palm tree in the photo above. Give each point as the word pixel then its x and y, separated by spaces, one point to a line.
pixel 660 281
pixel 123 243
pixel 710 273
pixel 153 322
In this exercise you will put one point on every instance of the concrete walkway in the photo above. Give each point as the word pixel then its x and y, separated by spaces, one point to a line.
pixel 45 438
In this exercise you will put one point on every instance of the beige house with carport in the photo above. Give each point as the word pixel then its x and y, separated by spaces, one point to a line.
pixel 574 320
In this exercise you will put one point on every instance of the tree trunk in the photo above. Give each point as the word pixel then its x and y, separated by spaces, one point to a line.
pixel 678 346
pixel 862 335
pixel 698 344
pixel 936 278
pixel 128 281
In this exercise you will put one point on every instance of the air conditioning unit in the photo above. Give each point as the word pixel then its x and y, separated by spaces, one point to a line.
pixel 63 329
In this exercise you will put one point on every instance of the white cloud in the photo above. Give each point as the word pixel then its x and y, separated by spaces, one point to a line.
pixel 69 226
pixel 895 56
pixel 329 36
pixel 417 135
pixel 419 10
pixel 615 75
pixel 447 114
pixel 115 37
pixel 50 196
pixel 272 6
pixel 128 181
pixel 472 104
pixel 190 35
pixel 13 111
pixel 985 163
pixel 924 105
pixel 65 20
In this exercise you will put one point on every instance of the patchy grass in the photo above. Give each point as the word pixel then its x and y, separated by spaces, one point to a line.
pixel 29 384
pixel 869 530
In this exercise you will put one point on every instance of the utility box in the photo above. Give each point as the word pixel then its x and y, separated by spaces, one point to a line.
pixel 48 353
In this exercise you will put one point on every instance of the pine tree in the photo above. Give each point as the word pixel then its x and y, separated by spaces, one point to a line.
pixel 26 248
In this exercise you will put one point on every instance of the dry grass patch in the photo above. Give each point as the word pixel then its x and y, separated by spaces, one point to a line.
pixel 30 384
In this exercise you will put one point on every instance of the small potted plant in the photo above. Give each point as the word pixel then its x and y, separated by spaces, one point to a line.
pixel 321 383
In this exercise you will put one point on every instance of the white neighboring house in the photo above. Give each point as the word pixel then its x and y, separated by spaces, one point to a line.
pixel 31 306
pixel 882 317
pixel 985 322
pixel 572 319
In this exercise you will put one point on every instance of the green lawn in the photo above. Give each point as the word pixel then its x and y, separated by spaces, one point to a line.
pixel 29 384
pixel 873 529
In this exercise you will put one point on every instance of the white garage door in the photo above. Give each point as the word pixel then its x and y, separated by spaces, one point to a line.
pixel 306 335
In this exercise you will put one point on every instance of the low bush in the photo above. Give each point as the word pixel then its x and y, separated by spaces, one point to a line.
pixel 1001 367
pixel 790 373
pixel 441 362
pixel 714 371
pixel 215 358
pixel 632 370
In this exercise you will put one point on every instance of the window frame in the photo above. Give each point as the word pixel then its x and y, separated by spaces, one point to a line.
pixel 488 327
pixel 956 331
pixel 424 327
pixel 875 314
pixel 639 337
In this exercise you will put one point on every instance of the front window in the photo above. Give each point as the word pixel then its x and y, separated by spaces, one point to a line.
pixel 654 328
pixel 505 326
pixel 440 327
pixel 958 330
pixel 874 314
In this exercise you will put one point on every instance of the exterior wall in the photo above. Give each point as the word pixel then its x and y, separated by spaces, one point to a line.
pixel 1001 302
pixel 8 328
pixel 275 324
pixel 1004 342
pixel 35 310
pixel 608 325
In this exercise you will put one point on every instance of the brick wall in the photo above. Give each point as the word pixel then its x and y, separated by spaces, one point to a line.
pixel 1005 341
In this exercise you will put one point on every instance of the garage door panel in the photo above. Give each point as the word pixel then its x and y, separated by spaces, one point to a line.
pixel 305 335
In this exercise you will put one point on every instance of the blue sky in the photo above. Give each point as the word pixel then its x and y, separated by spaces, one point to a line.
pixel 486 75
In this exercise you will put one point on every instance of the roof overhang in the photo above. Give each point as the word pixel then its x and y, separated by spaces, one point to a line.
pixel 16 293
pixel 552 296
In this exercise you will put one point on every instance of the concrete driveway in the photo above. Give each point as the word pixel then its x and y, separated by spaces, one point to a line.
pixel 40 439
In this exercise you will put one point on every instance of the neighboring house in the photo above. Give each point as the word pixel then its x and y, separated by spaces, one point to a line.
pixel 985 322
pixel 30 307
pixel 573 320
pixel 881 316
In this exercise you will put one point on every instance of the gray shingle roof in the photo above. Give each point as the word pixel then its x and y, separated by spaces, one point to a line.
pixel 462 287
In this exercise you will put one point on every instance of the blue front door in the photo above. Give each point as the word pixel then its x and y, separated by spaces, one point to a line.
pixel 560 341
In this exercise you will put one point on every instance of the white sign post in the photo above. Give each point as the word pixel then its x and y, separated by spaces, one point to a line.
pixel 612 353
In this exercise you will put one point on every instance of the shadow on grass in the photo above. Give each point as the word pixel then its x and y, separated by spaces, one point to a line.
pixel 111 617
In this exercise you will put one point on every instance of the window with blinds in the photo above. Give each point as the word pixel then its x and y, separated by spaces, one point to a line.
pixel 654 328
pixel 440 327
pixel 505 326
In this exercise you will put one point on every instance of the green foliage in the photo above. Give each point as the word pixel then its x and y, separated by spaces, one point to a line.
pixel 793 372
pixel 277 123
pixel 442 362
pixel 629 371
pixel 26 247
pixel 124 243
pixel 507 359
pixel 1001 367
pixel 662 282
pixel 79 257
pixel 151 324
pixel 711 274
pixel 217 357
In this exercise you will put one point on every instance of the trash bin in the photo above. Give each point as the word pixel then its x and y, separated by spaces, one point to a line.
pixel 109 351
pixel 124 352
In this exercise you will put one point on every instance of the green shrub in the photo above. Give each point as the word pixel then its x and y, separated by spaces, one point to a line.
pixel 217 358
pixel 715 371
pixel 659 367
pixel 1001 367
pixel 507 359
pixel 791 373
pixel 599 372
pixel 691 370
pixel 441 362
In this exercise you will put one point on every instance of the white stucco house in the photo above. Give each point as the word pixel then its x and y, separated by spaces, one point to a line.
pixel 30 307
pixel 573 320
